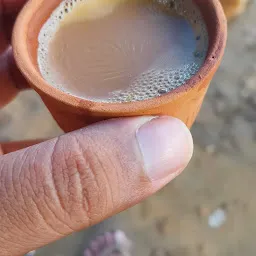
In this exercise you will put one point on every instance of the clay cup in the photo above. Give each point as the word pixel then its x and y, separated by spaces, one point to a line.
pixel 72 113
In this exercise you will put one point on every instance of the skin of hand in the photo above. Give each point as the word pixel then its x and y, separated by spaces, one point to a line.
pixel 52 189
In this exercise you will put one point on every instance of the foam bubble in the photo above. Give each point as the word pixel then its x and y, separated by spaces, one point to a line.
pixel 159 78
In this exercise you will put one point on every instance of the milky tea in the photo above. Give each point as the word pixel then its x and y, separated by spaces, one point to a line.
pixel 122 50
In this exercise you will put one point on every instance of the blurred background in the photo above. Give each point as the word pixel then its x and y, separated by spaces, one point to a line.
pixel 211 208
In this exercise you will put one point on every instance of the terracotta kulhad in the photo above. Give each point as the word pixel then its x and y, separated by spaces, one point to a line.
pixel 72 113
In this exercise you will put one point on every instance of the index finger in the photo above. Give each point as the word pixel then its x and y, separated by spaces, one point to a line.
pixel 9 9
pixel 12 6
pixel 11 80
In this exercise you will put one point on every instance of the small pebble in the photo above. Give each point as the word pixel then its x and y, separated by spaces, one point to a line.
pixel 217 218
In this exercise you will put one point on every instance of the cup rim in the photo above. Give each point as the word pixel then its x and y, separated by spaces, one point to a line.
pixel 33 75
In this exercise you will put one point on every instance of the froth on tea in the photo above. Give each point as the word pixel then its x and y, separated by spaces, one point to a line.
pixel 122 50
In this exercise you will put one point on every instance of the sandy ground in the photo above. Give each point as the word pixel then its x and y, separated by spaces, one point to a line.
pixel 222 174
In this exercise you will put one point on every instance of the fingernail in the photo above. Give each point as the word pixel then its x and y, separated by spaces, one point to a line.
pixel 166 146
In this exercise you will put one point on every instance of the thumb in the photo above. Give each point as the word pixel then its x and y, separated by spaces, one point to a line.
pixel 69 183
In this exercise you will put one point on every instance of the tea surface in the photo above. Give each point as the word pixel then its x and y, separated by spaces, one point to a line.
pixel 121 51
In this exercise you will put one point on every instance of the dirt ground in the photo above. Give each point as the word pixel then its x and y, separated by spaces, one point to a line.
pixel 222 174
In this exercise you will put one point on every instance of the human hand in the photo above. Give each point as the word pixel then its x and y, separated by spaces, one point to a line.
pixel 69 183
